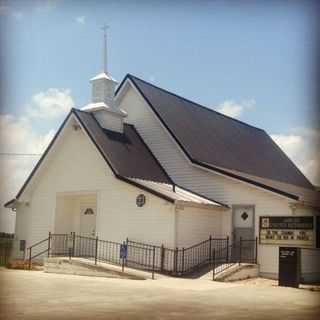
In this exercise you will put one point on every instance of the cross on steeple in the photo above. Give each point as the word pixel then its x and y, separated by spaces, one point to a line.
pixel 104 28
pixel 103 104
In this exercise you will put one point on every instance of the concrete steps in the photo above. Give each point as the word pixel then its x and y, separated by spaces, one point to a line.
pixel 238 272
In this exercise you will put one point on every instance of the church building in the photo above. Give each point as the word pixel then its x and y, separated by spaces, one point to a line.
pixel 143 163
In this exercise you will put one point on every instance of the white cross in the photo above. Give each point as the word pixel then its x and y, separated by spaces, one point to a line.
pixel 104 28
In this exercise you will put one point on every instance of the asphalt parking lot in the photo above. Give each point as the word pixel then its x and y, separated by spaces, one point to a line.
pixel 39 295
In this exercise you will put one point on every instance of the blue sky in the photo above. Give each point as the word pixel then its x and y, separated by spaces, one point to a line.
pixel 253 60
pixel 208 51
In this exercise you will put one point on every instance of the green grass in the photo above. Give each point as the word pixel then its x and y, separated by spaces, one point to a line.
pixel 5 249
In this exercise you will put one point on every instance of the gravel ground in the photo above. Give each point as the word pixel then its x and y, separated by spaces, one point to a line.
pixel 38 295
pixel 274 283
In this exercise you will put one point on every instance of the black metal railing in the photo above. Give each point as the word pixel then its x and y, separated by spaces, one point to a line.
pixel 58 244
pixel 108 251
pixel 177 261
pixel 214 252
pixel 38 249
pixel 143 256
pixel 243 251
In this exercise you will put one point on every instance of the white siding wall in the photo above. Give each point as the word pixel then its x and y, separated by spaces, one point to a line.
pixel 64 217
pixel 109 121
pixel 21 231
pixel 310 266
pixel 204 182
pixel 76 166
pixel 195 225
pixel 21 226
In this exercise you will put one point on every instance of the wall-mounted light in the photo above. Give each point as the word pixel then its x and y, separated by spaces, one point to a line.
pixel 140 200
pixel 76 127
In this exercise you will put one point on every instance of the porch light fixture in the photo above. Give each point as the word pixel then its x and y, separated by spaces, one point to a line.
pixel 76 127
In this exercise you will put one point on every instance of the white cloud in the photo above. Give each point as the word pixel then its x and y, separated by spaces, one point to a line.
pixel 6 10
pixel 50 104
pixel 234 109
pixel 81 19
pixel 18 135
pixel 302 147
pixel 291 144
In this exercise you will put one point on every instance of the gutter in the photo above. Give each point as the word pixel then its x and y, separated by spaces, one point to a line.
pixel 249 181
pixel 200 205
pixel 136 184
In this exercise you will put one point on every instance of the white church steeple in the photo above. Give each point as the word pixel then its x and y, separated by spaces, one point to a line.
pixel 103 89
pixel 102 104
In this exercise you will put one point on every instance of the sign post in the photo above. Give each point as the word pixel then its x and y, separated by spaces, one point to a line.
pixel 289 267
pixel 123 253
pixel 70 244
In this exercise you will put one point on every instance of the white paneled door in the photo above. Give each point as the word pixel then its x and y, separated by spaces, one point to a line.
pixel 88 220
pixel 243 222
pixel 243 228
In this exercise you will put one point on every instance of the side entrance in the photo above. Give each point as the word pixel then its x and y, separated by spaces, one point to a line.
pixel 243 221
pixel 76 212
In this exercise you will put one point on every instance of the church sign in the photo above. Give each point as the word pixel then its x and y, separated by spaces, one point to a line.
pixel 287 230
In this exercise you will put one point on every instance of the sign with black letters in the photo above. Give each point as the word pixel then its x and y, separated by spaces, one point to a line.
pixel 298 231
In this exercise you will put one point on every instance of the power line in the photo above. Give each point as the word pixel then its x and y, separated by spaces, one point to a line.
pixel 19 154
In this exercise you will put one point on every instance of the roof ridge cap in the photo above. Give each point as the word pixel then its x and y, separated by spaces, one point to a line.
pixel 132 77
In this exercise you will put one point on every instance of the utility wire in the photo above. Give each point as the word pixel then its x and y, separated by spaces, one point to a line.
pixel 19 154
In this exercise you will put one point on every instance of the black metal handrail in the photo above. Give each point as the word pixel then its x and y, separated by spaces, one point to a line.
pixel 37 254
pixel 237 253
pixel 181 261
pixel 37 243
pixel 174 261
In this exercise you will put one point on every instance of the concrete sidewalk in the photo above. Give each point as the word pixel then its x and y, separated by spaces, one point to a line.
pixel 39 295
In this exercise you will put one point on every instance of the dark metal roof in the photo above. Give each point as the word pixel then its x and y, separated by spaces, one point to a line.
pixel 126 152
pixel 214 140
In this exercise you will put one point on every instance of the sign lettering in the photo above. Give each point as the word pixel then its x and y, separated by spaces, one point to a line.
pixel 287 230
